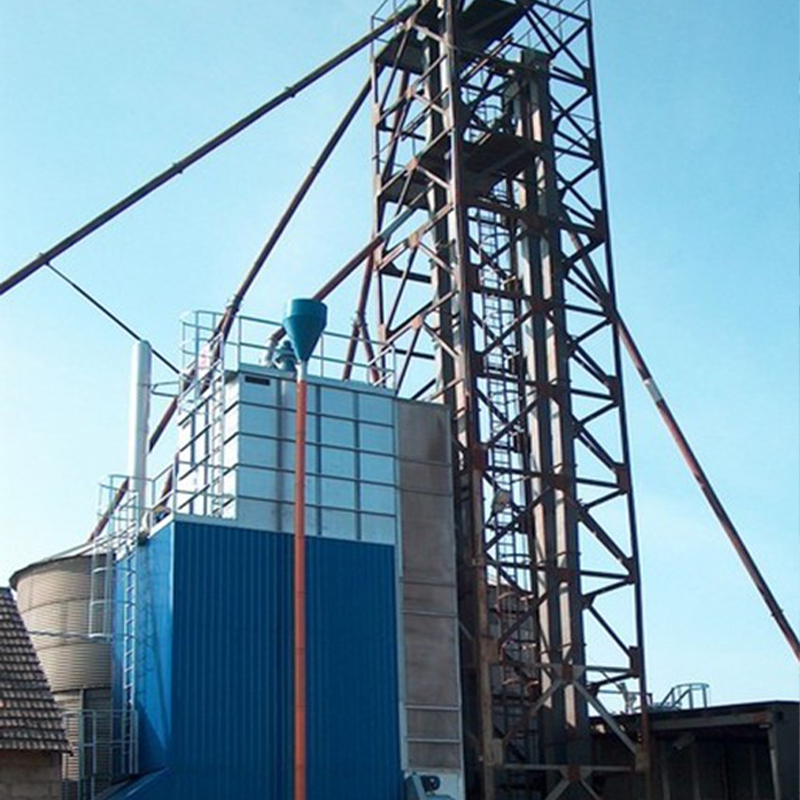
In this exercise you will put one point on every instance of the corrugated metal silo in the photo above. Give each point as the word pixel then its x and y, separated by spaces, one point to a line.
pixel 53 598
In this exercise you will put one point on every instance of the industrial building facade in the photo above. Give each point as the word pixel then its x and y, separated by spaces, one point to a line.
pixel 475 624
pixel 200 650
pixel 214 665
pixel 200 611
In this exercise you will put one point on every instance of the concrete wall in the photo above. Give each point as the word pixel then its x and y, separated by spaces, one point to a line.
pixel 433 738
pixel 30 775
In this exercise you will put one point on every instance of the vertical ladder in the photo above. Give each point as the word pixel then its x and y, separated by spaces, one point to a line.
pixel 496 317
pixel 103 557
pixel 126 534
pixel 127 567
pixel 216 435
pixel 501 366
pixel 101 601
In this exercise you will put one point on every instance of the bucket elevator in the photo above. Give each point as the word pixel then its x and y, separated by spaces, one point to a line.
pixel 482 541
pixel 498 293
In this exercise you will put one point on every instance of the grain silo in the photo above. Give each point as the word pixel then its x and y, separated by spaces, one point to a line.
pixel 53 597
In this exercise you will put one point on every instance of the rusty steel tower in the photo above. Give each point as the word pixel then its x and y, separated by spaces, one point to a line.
pixel 494 291
pixel 490 276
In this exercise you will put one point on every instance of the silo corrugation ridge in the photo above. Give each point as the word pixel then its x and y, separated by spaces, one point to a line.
pixel 65 578
pixel 59 616
pixel 53 597
pixel 76 665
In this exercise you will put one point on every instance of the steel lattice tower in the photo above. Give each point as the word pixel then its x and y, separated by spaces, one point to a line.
pixel 496 292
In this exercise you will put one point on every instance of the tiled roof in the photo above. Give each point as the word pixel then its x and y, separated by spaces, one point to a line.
pixel 29 716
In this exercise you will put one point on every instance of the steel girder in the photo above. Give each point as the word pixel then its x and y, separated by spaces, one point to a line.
pixel 494 294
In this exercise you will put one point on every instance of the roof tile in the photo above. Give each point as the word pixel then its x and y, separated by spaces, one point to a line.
pixel 29 716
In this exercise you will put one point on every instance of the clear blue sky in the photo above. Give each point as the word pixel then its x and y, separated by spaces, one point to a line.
pixel 699 107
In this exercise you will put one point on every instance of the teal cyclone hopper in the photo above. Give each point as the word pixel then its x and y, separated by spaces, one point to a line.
pixel 304 322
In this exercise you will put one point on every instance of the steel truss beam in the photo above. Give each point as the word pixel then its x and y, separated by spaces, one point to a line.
pixel 497 289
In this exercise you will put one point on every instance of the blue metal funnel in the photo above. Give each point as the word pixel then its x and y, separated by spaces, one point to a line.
pixel 304 322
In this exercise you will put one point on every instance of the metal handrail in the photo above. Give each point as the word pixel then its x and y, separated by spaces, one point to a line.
pixel 249 344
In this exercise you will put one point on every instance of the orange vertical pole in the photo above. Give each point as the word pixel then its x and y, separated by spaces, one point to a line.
pixel 300 588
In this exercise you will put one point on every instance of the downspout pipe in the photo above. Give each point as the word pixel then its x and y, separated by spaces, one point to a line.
pixel 304 322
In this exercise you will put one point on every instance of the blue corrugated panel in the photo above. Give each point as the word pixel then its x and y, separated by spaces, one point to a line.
pixel 154 650
pixel 352 660
pixel 215 678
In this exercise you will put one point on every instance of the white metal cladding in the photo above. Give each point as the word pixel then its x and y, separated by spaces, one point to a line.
pixel 351 485
pixel 53 600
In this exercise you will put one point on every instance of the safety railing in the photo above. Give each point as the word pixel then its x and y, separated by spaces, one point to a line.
pixel 390 8
pixel 100 755
pixel 255 341
pixel 685 696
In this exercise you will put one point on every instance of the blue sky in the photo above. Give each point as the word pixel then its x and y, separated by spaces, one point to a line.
pixel 699 109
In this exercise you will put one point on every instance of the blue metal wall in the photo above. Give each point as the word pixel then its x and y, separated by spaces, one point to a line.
pixel 214 677
pixel 154 649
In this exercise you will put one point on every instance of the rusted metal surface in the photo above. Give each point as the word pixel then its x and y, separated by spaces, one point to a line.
pixel 486 132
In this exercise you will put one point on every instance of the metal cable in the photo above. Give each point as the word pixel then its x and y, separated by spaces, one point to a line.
pixel 212 144
pixel 111 315
pixel 225 324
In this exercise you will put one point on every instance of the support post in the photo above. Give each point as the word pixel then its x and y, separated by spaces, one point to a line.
pixel 141 368
pixel 304 322
pixel 300 586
